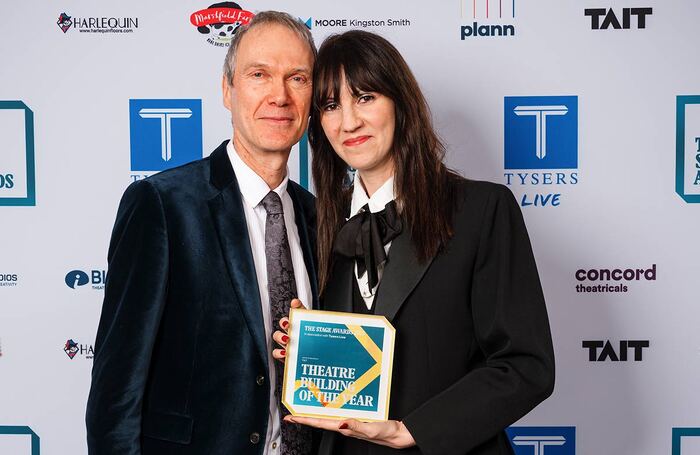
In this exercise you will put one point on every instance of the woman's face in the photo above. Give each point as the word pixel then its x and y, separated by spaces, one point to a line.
pixel 361 130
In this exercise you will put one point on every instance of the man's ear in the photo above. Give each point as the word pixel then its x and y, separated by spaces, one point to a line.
pixel 226 92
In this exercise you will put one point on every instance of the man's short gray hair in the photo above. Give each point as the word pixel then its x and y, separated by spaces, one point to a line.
pixel 265 18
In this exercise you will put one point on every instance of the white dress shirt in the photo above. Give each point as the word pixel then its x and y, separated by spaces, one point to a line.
pixel 377 202
pixel 253 190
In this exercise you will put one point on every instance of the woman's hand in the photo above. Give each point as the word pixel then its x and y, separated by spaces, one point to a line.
pixel 392 433
pixel 281 337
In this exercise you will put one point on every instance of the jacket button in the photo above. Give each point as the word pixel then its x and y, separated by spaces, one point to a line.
pixel 254 438
pixel 260 380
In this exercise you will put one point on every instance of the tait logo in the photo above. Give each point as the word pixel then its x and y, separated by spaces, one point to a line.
pixel 542 440
pixel 602 350
pixel 604 18
pixel 17 184
pixel 541 133
pixel 498 10
pixel 164 134
pixel 78 278
pixel 688 148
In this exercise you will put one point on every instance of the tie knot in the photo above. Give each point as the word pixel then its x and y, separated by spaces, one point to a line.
pixel 272 204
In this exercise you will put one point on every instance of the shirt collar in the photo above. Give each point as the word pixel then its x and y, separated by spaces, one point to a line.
pixel 379 199
pixel 253 187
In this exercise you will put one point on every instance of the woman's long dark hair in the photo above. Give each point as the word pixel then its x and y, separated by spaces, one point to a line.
pixel 371 64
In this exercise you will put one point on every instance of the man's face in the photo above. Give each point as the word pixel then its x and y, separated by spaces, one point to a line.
pixel 270 95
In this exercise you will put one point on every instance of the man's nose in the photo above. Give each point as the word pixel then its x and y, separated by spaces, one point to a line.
pixel 279 93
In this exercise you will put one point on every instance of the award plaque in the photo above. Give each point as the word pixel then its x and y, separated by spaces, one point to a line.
pixel 338 365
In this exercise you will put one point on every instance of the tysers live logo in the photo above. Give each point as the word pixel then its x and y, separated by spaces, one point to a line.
pixel 542 440
pixel 688 148
pixel 78 278
pixel 164 134
pixel 490 18
pixel 220 21
pixel 541 147
pixel 73 348
pixel 17 182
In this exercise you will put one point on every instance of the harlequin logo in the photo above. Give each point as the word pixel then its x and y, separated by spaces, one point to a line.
pixel 73 348
pixel 220 22
pixel 64 22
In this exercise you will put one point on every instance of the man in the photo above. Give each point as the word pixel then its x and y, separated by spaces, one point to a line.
pixel 203 262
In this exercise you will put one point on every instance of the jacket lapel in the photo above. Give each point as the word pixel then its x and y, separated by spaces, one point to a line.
pixel 402 273
pixel 229 219
pixel 306 225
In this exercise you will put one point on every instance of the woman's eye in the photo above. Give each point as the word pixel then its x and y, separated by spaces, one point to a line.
pixel 330 106
pixel 365 98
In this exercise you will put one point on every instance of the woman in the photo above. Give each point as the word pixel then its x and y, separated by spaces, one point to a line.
pixel 445 259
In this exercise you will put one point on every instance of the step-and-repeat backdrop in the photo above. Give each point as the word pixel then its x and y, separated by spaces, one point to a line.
pixel 588 110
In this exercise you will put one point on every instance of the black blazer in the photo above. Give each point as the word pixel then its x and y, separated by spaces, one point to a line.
pixel 181 357
pixel 473 349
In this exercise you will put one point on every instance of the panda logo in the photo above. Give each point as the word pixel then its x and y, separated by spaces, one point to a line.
pixel 221 32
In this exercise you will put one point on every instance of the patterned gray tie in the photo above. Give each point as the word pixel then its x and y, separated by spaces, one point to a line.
pixel 281 286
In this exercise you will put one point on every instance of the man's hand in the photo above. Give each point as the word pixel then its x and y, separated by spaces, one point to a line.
pixel 281 336
pixel 391 433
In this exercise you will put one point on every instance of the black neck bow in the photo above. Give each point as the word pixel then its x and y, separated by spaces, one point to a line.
pixel 363 238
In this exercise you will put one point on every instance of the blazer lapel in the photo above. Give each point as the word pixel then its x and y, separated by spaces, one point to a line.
pixel 402 273
pixel 306 225
pixel 229 219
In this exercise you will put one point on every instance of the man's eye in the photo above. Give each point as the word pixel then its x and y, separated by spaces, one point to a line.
pixel 299 79
pixel 258 74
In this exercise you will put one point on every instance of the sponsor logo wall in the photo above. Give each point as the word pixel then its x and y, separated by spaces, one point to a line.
pixel 589 112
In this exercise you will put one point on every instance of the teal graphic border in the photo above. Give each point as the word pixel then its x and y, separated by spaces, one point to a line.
pixel 681 102
pixel 679 433
pixel 304 161
pixel 30 199
pixel 23 430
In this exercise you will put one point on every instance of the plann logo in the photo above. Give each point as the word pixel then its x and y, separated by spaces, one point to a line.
pixel 78 278
pixel 541 133
pixel 220 22
pixel 688 148
pixel 164 134
pixel 543 440
pixel 490 10
pixel 17 182
pixel 604 18
pixel 636 347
